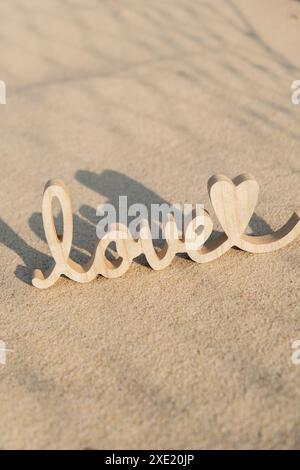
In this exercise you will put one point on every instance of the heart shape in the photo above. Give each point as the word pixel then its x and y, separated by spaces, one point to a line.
pixel 233 201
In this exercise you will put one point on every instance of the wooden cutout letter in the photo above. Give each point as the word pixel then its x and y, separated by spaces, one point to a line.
pixel 234 202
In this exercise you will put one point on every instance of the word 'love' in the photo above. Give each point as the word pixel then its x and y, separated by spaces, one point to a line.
pixel 234 202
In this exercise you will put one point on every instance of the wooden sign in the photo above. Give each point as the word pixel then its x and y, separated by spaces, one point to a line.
pixel 234 202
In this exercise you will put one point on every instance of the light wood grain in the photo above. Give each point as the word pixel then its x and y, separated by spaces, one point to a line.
pixel 234 202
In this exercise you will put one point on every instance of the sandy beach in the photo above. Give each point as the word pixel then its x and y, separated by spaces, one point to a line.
pixel 149 99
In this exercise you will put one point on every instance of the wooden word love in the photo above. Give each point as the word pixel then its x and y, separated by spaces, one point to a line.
pixel 234 202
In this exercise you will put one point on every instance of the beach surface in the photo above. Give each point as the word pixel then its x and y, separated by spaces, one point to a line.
pixel 148 99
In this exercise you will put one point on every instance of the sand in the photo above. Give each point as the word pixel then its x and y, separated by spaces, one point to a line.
pixel 148 99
